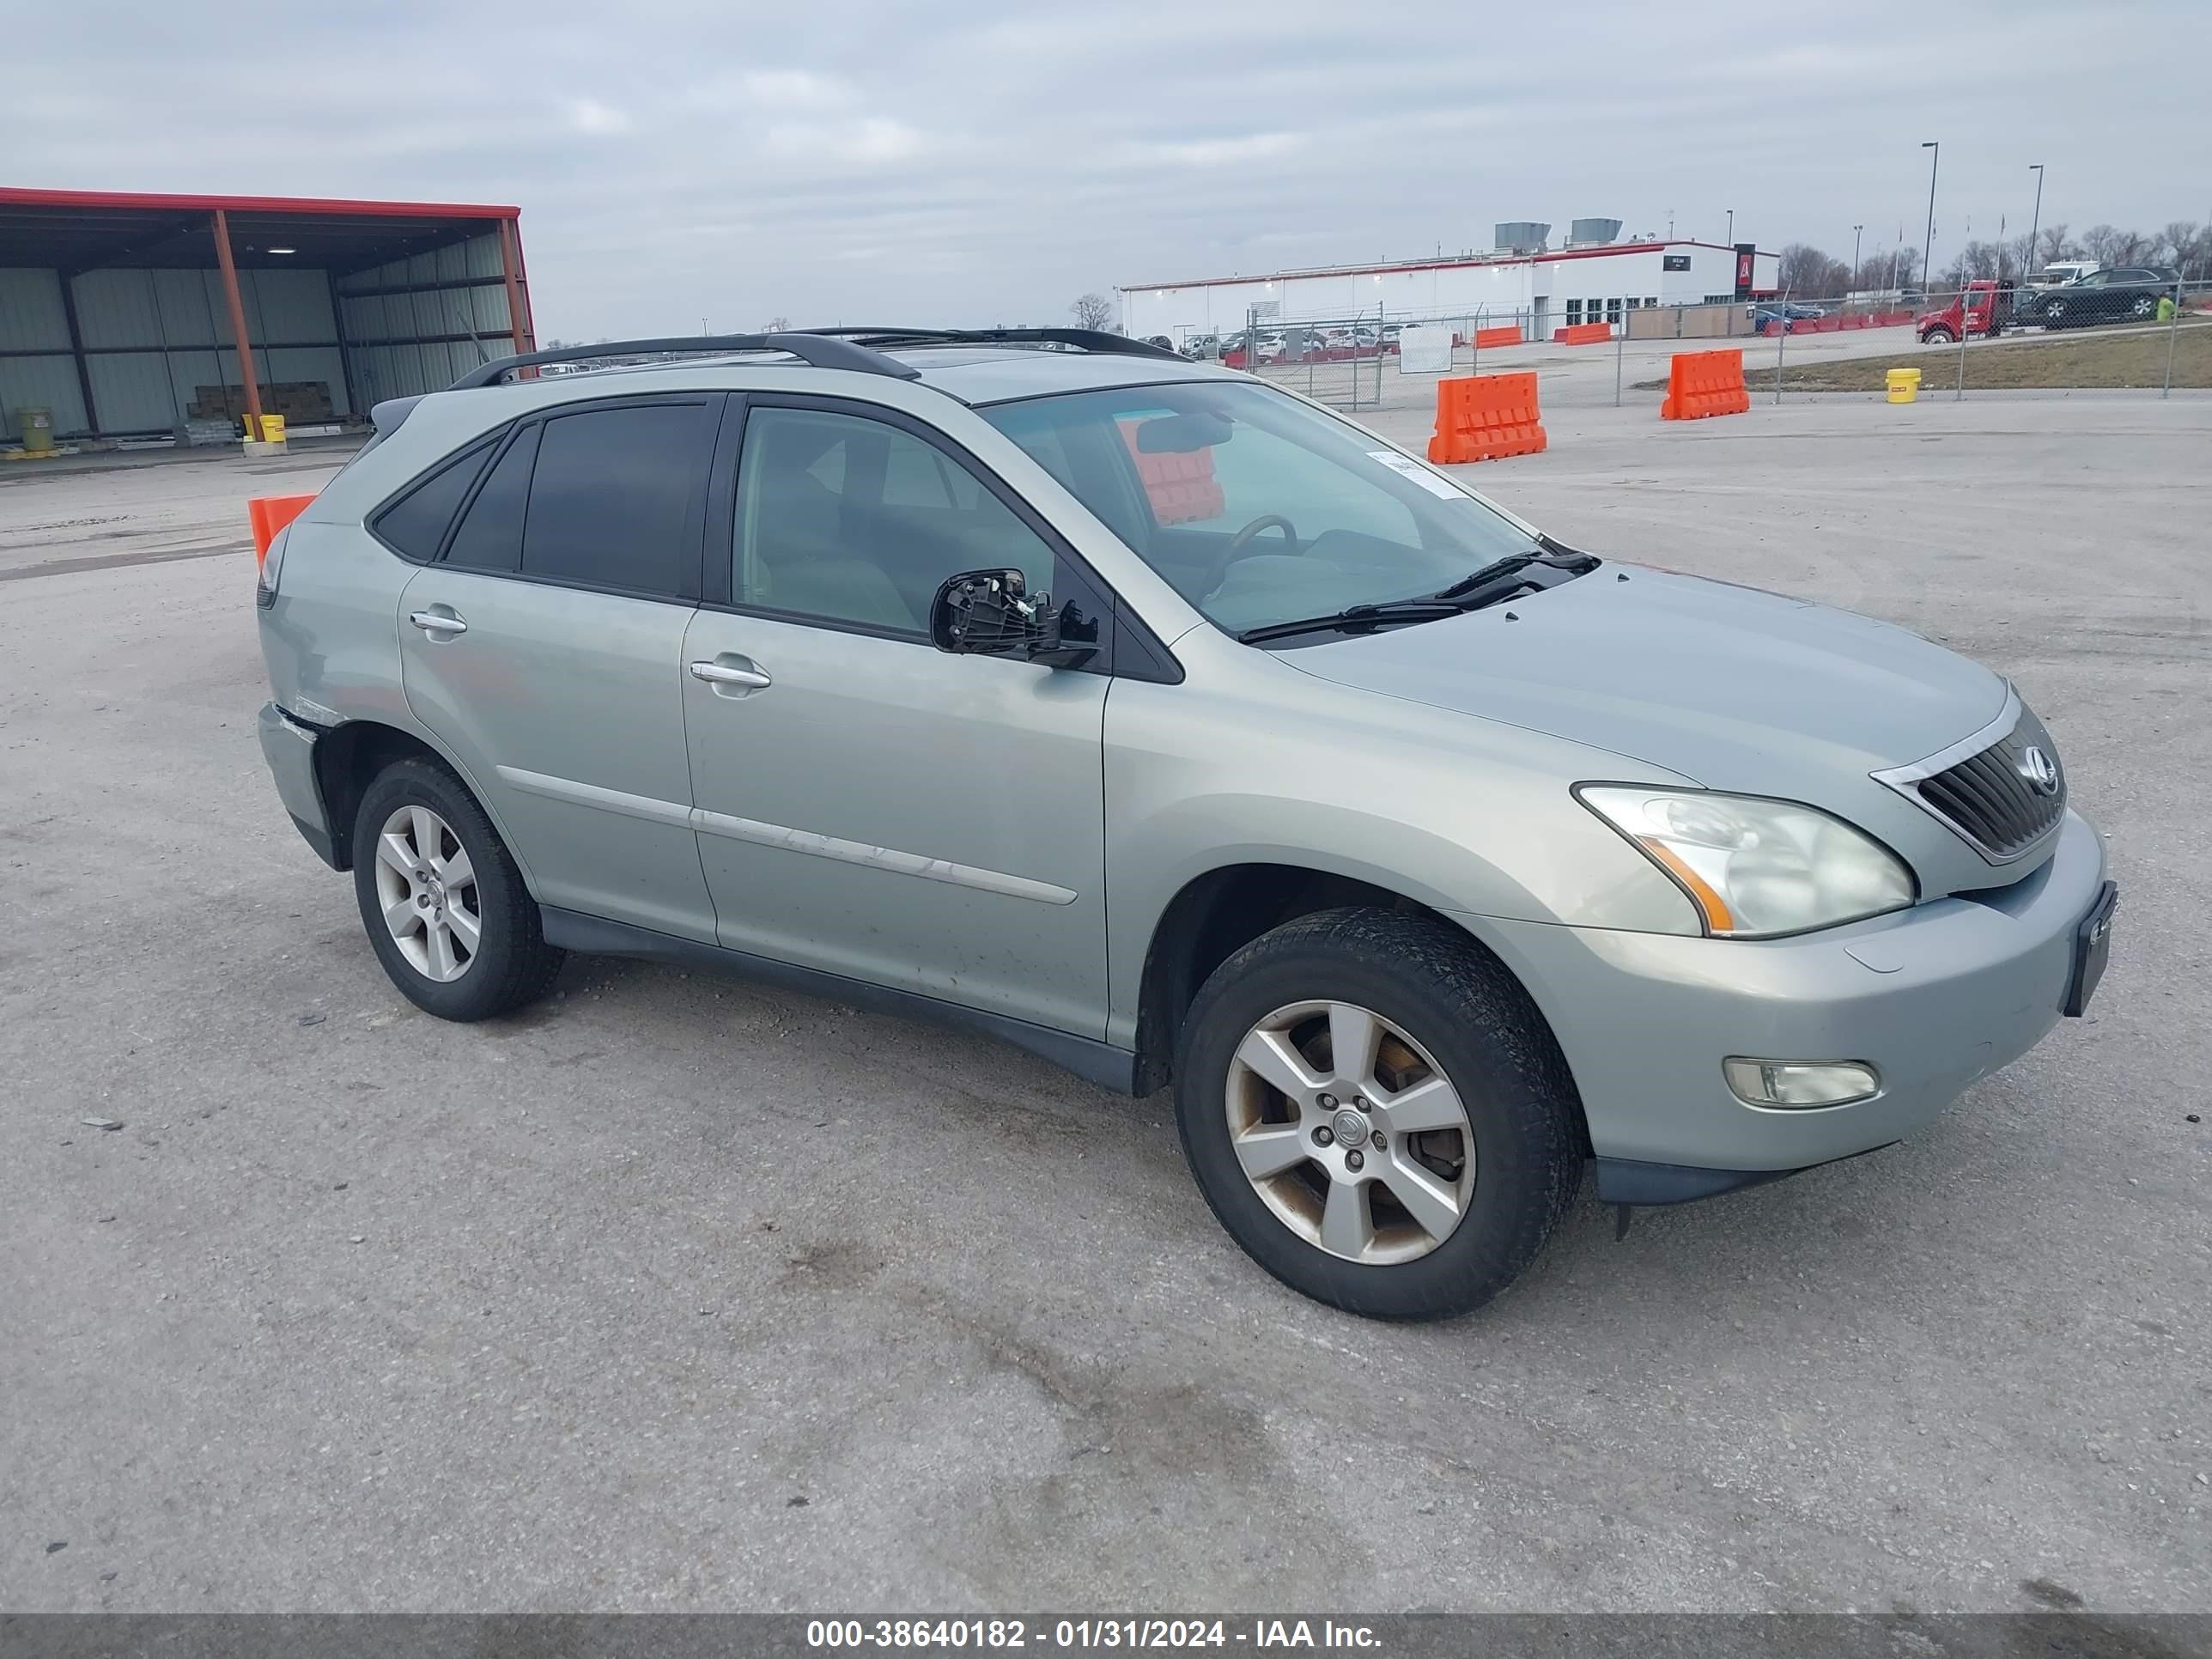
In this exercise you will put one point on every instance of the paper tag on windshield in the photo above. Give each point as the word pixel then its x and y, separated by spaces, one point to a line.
pixel 1420 475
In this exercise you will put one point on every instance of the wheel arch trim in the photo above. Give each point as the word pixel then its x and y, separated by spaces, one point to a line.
pixel 336 749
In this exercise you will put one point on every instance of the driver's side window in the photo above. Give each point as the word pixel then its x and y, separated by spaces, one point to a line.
pixel 854 521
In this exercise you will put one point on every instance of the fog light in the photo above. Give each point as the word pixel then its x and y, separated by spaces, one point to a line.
pixel 1800 1082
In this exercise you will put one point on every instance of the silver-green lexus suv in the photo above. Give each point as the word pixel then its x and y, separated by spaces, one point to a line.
pixel 1170 726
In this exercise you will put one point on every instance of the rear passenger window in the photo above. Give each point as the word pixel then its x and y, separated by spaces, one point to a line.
pixel 612 495
pixel 415 523
pixel 490 536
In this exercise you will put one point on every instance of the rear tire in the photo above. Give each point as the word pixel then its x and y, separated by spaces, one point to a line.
pixel 1494 1181
pixel 444 905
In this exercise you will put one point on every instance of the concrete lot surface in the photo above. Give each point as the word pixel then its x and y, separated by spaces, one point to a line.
pixel 675 1293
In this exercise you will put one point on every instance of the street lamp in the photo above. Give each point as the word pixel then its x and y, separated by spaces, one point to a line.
pixel 2035 224
pixel 1855 229
pixel 1731 229
pixel 1927 249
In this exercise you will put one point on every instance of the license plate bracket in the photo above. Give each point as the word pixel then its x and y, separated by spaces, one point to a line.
pixel 2092 948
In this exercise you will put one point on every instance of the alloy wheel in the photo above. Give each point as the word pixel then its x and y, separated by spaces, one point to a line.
pixel 427 889
pixel 1350 1133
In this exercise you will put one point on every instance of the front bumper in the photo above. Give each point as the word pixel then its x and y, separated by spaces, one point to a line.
pixel 290 749
pixel 1936 997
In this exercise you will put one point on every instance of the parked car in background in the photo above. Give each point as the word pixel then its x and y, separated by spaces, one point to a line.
pixel 1428 860
pixel 1265 346
pixel 1788 312
pixel 2116 293
pixel 1985 308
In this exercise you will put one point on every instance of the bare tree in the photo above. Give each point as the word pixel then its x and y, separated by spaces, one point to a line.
pixel 2183 244
pixel 1809 271
pixel 2108 244
pixel 1093 310
pixel 2053 242
pixel 776 325
pixel 1975 259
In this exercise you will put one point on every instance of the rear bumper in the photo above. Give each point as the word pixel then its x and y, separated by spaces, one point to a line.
pixel 290 749
pixel 1935 997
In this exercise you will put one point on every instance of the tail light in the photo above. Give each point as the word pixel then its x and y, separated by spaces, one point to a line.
pixel 271 517
pixel 270 565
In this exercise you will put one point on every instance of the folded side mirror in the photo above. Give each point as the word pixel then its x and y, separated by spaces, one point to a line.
pixel 990 613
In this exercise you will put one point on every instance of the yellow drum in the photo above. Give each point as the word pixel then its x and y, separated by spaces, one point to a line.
pixel 1904 386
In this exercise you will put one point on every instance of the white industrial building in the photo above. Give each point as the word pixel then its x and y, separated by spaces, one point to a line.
pixel 1593 278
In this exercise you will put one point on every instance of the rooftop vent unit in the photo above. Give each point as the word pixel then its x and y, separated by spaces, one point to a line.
pixel 1593 233
pixel 1521 236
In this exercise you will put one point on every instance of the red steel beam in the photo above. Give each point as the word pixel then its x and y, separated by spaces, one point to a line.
pixel 518 295
pixel 237 301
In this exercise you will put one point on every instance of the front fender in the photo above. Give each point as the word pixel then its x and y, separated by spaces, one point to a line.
pixel 1461 815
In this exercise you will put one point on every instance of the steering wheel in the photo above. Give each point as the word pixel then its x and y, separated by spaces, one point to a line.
pixel 1243 539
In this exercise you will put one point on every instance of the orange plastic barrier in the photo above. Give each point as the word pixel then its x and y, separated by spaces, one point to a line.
pixel 1582 333
pixel 1702 383
pixel 1481 417
pixel 1509 335
pixel 1181 488
pixel 270 515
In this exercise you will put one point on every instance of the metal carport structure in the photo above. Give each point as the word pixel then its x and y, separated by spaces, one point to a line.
pixel 115 309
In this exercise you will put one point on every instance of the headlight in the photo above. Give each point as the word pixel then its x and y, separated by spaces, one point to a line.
pixel 1755 868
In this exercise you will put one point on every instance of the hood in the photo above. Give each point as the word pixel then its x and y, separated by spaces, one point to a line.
pixel 1741 690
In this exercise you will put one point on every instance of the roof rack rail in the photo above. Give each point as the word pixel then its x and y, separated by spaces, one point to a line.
pixel 1085 339
pixel 820 348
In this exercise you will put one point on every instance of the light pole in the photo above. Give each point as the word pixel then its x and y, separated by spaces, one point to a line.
pixel 2036 224
pixel 1731 229
pixel 1855 229
pixel 1927 248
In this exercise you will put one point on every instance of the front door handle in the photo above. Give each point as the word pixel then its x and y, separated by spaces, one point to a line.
pixel 438 622
pixel 748 675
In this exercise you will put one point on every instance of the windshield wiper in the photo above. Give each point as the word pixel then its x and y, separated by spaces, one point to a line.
pixel 1550 554
pixel 1357 618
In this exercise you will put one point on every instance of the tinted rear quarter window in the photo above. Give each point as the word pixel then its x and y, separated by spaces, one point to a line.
pixel 612 495
pixel 490 534
pixel 415 523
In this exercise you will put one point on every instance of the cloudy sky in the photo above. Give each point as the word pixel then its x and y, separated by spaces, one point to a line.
pixel 681 160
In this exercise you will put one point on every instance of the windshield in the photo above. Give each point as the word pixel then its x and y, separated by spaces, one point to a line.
pixel 1257 507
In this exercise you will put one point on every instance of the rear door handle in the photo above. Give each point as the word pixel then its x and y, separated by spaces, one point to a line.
pixel 437 622
pixel 722 673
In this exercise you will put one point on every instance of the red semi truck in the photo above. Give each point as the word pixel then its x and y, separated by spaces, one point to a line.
pixel 1985 308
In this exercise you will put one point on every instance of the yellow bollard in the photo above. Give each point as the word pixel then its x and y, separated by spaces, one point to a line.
pixel 1904 386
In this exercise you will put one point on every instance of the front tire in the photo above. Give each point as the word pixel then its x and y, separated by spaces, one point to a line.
pixel 1413 1176
pixel 1939 335
pixel 445 906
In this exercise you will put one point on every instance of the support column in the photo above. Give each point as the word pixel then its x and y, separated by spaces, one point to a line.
pixel 237 303
pixel 518 296
pixel 354 410
pixel 68 280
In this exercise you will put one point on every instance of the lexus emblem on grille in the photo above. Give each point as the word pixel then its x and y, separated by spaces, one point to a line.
pixel 2039 770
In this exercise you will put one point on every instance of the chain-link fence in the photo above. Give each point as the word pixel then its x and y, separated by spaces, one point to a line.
pixel 2121 328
